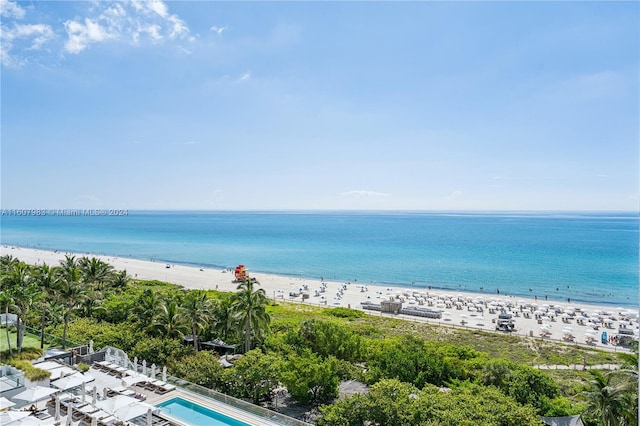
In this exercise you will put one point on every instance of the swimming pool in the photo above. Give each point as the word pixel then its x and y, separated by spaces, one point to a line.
pixel 196 415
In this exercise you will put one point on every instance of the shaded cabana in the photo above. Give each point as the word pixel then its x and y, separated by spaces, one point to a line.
pixel 219 346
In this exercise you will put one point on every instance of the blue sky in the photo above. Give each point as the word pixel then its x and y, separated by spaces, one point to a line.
pixel 320 105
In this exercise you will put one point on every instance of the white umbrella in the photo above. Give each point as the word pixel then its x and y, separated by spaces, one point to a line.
pixel 94 396
pixel 57 412
pixel 69 415
pixel 5 403
pixel 69 382
pixel 149 417
pixel 133 410
pixel 164 373
pixel 35 394
pixel 94 421
pixel 132 380
pixel 12 416
pixel 29 421
pixel 84 392
pixel 111 405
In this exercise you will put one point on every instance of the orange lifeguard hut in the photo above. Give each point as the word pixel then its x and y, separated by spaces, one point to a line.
pixel 241 273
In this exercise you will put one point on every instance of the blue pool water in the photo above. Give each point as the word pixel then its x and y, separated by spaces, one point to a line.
pixel 196 415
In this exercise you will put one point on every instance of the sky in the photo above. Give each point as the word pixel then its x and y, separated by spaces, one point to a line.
pixel 320 105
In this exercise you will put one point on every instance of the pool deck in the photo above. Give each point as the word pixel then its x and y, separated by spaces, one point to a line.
pixel 108 381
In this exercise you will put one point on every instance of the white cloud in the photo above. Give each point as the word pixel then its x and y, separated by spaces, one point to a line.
pixel 191 143
pixel 23 37
pixel 81 35
pixel 126 21
pixel 246 76
pixel 158 7
pixel 129 21
pixel 218 30
pixel 9 9
pixel 363 194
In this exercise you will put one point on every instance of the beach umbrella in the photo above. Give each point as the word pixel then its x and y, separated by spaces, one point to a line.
pixel 84 392
pixel 94 395
pixel 68 382
pixel 94 421
pixel 11 416
pixel 35 394
pixel 57 412
pixel 28 421
pixel 5 403
pixel 69 415
pixel 111 405
pixel 132 380
pixel 133 410
pixel 164 373
pixel 149 417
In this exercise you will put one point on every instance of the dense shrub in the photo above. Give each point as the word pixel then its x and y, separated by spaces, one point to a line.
pixel 344 312
pixel 156 350
pixel 30 372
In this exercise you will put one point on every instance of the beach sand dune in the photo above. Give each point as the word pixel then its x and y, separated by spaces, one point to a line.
pixel 571 323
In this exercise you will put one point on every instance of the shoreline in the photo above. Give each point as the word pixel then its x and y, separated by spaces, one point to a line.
pixel 431 287
pixel 460 308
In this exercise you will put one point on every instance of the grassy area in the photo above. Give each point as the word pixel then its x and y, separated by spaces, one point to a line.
pixel 30 341
pixel 514 348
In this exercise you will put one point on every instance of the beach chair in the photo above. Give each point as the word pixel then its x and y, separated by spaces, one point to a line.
pixel 83 412
pixel 161 387
pixel 99 415
pixel 42 414
pixel 109 420
pixel 101 365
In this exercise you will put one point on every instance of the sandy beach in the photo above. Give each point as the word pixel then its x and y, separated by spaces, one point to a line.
pixel 571 323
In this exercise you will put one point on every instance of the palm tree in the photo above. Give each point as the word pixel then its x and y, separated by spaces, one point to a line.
pixel 19 284
pixel 608 399
pixel 168 321
pixel 95 271
pixel 249 310
pixel 196 313
pixel 69 263
pixel 71 292
pixel 25 298
pixel 120 279
pixel 6 299
pixel 221 319
pixel 46 278
pixel 92 303
pixel 146 308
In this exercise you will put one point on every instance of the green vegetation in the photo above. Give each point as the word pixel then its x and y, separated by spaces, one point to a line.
pixel 418 373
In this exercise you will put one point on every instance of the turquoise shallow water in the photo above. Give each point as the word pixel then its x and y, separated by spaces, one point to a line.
pixel 589 257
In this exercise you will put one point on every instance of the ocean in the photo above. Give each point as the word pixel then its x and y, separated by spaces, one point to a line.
pixel 588 257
